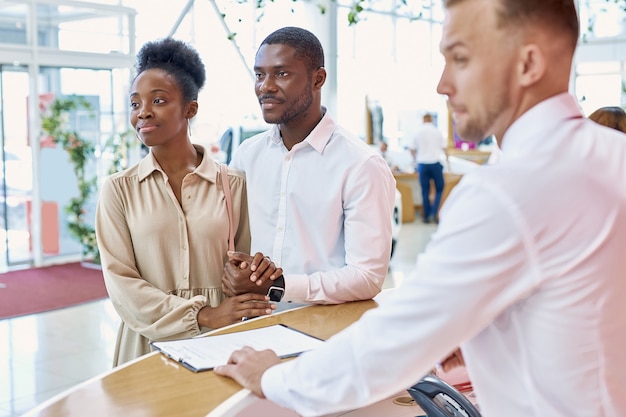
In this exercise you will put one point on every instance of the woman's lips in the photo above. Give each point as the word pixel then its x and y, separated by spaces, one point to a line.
pixel 147 128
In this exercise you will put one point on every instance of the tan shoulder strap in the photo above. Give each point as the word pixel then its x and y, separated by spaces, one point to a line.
pixel 229 206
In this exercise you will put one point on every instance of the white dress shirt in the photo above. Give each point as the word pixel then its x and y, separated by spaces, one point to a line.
pixel 322 211
pixel 429 144
pixel 525 272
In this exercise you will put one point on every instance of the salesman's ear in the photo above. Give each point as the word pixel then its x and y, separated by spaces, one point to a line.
pixel 532 64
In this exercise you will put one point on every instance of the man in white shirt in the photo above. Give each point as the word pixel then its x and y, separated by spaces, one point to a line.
pixel 320 200
pixel 526 269
pixel 427 149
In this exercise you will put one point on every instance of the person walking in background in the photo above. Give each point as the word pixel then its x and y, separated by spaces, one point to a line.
pixel 320 199
pixel 427 148
pixel 612 116
pixel 526 276
pixel 162 225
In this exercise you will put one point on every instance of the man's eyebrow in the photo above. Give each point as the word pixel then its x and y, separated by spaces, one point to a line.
pixel 453 45
pixel 274 67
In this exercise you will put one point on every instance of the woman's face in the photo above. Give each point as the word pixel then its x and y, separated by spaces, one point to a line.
pixel 158 112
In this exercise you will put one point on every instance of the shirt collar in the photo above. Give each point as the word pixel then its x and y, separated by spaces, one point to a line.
pixel 319 136
pixel 544 117
pixel 207 168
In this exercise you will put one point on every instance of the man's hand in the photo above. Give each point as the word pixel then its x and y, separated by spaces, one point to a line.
pixel 244 273
pixel 246 366
pixel 233 309
pixel 262 268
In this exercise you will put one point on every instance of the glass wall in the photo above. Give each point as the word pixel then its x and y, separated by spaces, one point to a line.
pixel 50 51
pixel 600 71
pixel 16 181
pixel 96 124
pixel 600 84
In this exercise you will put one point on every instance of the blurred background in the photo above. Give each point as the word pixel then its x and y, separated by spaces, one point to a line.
pixel 381 55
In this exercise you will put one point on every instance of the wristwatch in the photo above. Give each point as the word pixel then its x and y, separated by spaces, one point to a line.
pixel 277 289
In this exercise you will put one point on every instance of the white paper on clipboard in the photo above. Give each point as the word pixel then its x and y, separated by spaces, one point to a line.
pixel 205 353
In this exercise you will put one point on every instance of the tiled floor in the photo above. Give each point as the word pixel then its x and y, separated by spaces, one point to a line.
pixel 44 354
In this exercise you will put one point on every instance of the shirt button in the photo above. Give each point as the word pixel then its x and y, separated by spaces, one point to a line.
pixel 188 196
pixel 184 247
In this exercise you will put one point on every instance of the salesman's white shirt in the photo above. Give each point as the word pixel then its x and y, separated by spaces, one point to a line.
pixel 429 144
pixel 527 271
pixel 322 211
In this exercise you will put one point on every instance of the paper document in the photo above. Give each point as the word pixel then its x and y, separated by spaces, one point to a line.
pixel 205 353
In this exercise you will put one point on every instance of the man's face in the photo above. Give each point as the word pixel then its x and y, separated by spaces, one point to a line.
pixel 283 84
pixel 479 67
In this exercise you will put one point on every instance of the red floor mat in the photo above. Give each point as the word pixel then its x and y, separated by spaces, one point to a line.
pixel 36 290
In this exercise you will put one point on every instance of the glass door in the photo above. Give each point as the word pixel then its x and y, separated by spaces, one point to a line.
pixel 16 179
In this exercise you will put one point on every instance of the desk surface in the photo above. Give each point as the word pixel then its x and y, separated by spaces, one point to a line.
pixel 156 386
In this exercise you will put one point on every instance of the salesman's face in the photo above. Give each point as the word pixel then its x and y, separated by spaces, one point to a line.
pixel 479 67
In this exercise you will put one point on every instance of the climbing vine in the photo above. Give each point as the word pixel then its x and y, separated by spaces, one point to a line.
pixel 55 125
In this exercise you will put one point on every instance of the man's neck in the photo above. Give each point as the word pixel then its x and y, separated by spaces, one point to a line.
pixel 296 131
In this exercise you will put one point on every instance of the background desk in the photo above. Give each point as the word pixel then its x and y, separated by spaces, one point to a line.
pixel 408 185
pixel 154 386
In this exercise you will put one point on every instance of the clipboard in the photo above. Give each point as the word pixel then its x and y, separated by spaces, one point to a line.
pixel 204 353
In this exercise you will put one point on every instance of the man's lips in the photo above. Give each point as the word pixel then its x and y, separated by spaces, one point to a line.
pixel 269 102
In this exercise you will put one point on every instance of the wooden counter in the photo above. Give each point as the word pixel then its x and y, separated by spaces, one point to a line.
pixel 155 386
pixel 408 182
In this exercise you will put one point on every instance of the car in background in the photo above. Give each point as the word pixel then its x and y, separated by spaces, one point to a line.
pixel 234 135
pixel 396 221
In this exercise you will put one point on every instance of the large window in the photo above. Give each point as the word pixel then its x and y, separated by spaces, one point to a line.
pixel 600 84
pixel 52 50
pixel 16 181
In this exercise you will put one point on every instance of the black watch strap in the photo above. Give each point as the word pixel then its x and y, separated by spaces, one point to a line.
pixel 277 289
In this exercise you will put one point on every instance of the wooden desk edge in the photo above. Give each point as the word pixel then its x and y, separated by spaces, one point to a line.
pixel 234 404
pixel 236 401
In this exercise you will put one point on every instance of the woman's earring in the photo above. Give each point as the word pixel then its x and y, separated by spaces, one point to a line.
pixel 188 129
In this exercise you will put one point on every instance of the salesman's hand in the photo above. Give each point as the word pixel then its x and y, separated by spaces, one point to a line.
pixel 246 366
pixel 233 309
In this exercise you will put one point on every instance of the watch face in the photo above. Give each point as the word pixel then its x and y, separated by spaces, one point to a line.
pixel 276 293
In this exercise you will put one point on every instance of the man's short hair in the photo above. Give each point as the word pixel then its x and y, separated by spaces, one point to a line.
pixel 307 46
pixel 560 14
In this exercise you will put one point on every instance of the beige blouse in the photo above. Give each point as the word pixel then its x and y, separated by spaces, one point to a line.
pixel 163 261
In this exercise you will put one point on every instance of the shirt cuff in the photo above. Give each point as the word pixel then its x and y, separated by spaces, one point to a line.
pixel 273 383
pixel 296 288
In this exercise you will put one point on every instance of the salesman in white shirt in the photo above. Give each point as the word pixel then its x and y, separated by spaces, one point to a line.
pixel 320 200
pixel 526 269
pixel 427 150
